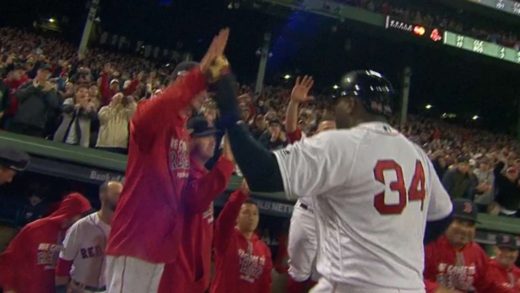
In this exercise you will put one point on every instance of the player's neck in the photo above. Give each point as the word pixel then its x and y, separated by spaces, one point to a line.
pixel 247 235
pixel 105 215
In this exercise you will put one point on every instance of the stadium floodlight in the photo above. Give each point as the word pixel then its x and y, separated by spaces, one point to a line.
pixel 52 20
pixel 335 86
pixel 287 77
pixel 428 107
pixel 475 117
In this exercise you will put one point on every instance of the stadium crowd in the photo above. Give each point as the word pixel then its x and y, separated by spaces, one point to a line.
pixel 47 91
pixel 89 101
pixel 433 15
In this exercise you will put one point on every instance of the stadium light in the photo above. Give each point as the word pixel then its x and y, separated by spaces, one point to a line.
pixel 52 20
pixel 475 117
pixel 287 77
pixel 335 86
pixel 428 107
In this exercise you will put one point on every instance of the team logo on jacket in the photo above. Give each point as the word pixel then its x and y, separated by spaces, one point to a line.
pixel 208 214
pixel 456 276
pixel 47 255
pixel 251 266
pixel 179 160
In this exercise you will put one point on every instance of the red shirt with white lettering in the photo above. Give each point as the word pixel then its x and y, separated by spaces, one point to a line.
pixel 148 220
pixel 28 264
pixel 465 270
pixel 509 278
pixel 241 265
pixel 191 271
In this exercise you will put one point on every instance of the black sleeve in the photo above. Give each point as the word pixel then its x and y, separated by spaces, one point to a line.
pixel 258 164
pixel 434 229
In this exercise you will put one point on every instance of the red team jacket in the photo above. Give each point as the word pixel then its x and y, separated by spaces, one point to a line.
pixel 507 278
pixel 148 220
pixel 190 273
pixel 241 266
pixel 470 275
pixel 28 263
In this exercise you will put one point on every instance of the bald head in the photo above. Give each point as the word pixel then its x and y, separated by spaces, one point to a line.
pixel 109 193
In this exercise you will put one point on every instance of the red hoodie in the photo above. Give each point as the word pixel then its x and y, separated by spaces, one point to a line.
pixel 241 265
pixel 148 220
pixel 190 273
pixel 470 275
pixel 27 265
pixel 509 278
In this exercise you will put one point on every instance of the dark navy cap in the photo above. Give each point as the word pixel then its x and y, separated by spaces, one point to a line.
pixel 199 127
pixel 13 159
pixel 45 66
pixel 465 209
pixel 182 68
pixel 507 241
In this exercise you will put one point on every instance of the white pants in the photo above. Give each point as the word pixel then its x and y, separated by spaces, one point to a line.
pixel 126 274
pixel 325 286
pixel 303 245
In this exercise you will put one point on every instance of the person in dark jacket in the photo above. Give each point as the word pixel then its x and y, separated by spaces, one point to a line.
pixel 78 114
pixel 459 181
pixel 508 189
pixel 37 101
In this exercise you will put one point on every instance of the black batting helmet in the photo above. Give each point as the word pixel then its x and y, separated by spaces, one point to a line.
pixel 371 87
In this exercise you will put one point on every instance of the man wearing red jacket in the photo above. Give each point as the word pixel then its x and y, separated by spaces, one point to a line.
pixel 242 260
pixel 502 269
pixel 454 261
pixel 28 263
pixel 147 226
pixel 190 273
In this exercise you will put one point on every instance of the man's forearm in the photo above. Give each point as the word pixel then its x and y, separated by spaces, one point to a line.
pixel 258 164
pixel 291 120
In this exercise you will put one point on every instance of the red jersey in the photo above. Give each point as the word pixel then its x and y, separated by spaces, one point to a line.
pixel 191 272
pixel 509 278
pixel 148 221
pixel 294 136
pixel 241 265
pixel 28 263
pixel 465 270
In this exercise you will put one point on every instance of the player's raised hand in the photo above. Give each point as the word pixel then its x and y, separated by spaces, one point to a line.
pixel 214 61
pixel 300 91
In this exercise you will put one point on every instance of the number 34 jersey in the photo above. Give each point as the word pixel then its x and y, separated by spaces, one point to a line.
pixel 373 190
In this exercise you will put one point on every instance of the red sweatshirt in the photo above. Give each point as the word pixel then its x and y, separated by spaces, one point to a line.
pixel 295 135
pixel 509 278
pixel 148 220
pixel 465 270
pixel 28 263
pixel 241 265
pixel 190 273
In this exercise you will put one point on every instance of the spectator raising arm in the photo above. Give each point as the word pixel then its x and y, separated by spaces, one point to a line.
pixel 299 94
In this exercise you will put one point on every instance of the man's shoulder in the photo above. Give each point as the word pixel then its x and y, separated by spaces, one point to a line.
pixel 86 221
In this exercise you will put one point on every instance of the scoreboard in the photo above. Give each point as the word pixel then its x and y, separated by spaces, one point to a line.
pixel 481 47
pixel 447 38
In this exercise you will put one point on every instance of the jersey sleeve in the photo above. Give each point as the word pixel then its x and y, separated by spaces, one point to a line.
pixel 309 166
pixel 440 203
pixel 71 243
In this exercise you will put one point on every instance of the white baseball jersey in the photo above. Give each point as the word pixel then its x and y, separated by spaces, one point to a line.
pixel 373 192
pixel 85 244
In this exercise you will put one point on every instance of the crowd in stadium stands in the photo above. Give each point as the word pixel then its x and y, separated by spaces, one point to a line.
pixel 89 102
pixel 453 20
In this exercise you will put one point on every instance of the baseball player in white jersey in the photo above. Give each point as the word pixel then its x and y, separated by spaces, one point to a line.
pixel 81 264
pixel 303 242
pixel 374 192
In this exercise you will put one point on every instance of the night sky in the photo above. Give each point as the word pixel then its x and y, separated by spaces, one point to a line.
pixel 451 80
